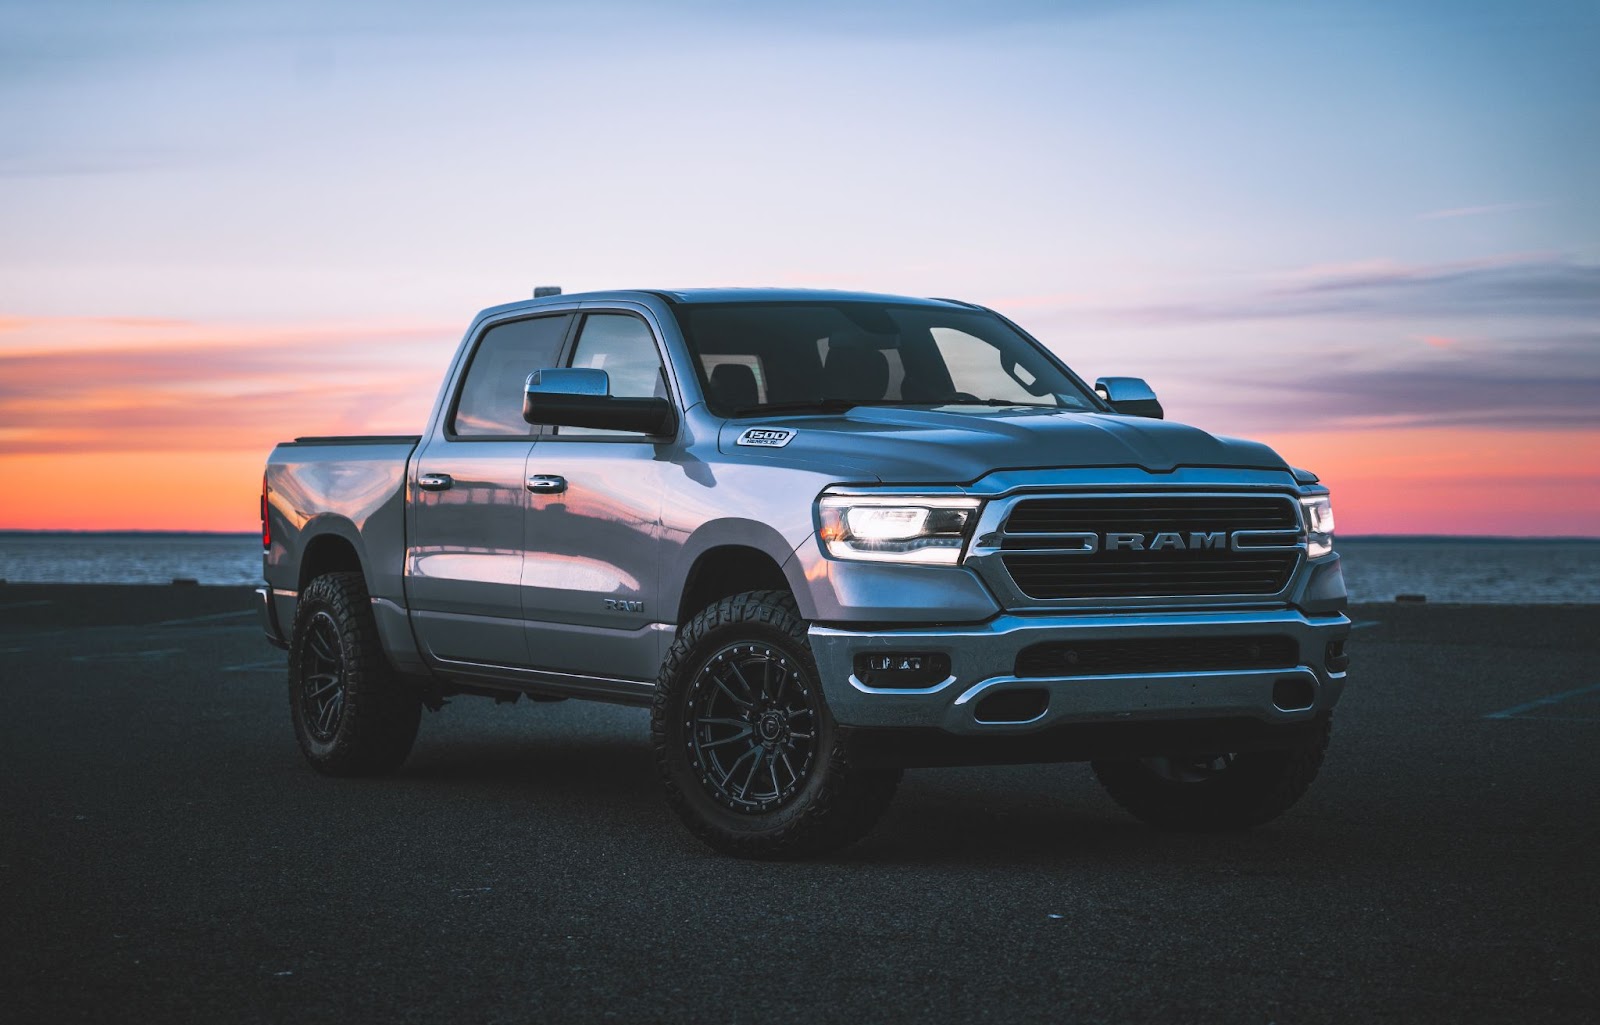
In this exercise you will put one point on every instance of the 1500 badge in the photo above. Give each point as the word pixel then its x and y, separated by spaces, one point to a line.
pixel 766 437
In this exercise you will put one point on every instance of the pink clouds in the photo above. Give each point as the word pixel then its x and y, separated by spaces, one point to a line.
pixel 115 385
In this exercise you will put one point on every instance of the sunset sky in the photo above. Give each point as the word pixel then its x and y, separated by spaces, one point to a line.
pixel 1367 233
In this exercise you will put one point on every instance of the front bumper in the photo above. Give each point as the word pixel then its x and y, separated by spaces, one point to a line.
pixel 983 660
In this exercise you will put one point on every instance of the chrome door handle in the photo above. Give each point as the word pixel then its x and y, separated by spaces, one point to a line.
pixel 547 484
pixel 434 481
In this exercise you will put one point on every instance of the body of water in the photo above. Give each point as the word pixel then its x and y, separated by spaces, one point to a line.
pixel 1477 570
pixel 72 558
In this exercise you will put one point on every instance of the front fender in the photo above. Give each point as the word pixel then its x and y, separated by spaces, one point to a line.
pixel 844 591
pixel 735 532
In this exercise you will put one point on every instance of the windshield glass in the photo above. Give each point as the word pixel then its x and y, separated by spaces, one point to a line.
pixel 758 358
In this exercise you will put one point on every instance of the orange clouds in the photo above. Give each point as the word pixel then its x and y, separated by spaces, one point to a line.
pixel 156 424
pixel 132 490
pixel 160 424
pixel 1444 480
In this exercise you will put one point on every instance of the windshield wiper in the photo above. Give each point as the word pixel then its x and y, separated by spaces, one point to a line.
pixel 1003 402
pixel 842 405
pixel 812 405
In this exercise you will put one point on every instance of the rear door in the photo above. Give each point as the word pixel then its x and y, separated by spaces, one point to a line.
pixel 470 500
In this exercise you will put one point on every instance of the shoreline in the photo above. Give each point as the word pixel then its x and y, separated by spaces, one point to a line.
pixel 26 532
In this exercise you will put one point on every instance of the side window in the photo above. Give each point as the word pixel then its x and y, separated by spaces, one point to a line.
pixel 491 396
pixel 621 345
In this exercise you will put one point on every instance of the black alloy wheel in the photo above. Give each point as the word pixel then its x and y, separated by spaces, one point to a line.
pixel 749 753
pixel 322 678
pixel 353 714
pixel 752 720
pixel 1190 768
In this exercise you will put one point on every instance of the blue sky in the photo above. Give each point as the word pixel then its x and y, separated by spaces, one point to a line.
pixel 1292 218
pixel 276 151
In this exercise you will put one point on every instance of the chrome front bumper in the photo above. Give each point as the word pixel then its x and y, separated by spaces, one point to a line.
pixel 983 660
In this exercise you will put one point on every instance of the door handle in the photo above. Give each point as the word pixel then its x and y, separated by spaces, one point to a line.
pixel 434 481
pixel 547 484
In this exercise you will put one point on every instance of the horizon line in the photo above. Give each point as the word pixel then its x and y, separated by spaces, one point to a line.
pixel 255 533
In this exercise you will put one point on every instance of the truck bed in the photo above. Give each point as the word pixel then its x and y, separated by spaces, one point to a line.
pixel 355 439
pixel 350 487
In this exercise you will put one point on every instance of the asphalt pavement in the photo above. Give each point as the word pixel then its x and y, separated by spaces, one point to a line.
pixel 165 855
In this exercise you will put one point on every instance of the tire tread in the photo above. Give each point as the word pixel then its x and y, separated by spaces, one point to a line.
pixel 381 714
pixel 850 799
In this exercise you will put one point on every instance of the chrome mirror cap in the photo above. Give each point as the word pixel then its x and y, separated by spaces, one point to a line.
pixel 1130 396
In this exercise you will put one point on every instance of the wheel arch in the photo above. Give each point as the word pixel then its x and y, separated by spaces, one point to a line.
pixel 331 546
pixel 731 557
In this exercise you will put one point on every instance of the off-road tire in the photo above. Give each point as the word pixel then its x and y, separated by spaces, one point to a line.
pixel 834 804
pixel 376 723
pixel 1256 787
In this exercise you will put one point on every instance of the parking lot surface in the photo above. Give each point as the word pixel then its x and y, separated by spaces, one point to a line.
pixel 166 855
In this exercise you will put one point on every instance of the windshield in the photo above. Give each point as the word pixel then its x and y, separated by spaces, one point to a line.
pixel 759 358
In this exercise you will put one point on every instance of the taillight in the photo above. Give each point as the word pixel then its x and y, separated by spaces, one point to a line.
pixel 266 524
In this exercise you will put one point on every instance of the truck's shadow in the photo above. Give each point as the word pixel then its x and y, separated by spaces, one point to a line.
pixel 1040 815
pixel 606 769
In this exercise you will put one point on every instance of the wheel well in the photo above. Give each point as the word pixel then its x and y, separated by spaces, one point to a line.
pixel 729 570
pixel 327 553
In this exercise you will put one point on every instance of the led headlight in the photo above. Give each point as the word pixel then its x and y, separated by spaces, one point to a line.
pixel 1318 512
pixel 928 529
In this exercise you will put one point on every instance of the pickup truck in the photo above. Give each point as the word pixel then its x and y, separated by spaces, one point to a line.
pixel 824 537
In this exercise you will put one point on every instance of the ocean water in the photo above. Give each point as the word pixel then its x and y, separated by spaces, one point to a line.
pixel 1479 571
pixel 73 558
pixel 1473 570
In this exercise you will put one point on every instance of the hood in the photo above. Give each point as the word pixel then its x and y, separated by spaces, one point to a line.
pixel 941 446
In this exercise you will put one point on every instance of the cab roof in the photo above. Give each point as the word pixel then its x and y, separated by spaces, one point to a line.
pixel 693 296
pixel 776 295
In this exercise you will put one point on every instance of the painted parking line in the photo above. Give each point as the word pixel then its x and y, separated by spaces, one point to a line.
pixel 113 656
pixel 1554 699
pixel 208 619
pixel 269 666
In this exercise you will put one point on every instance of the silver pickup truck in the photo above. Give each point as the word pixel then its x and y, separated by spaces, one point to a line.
pixel 823 536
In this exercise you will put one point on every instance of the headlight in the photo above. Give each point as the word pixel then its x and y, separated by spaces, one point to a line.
pixel 928 529
pixel 1319 525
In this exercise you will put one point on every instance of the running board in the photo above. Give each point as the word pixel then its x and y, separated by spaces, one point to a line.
pixel 548 682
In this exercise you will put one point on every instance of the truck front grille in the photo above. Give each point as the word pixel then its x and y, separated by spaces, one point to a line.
pixel 1152 513
pixel 1058 548
pixel 1157 655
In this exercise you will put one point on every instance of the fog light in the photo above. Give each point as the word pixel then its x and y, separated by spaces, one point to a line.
pixel 1337 659
pixel 902 668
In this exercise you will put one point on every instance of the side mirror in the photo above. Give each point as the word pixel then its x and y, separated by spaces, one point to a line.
pixel 580 397
pixel 1129 396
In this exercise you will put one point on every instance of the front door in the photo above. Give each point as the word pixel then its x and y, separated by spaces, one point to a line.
pixel 590 589
pixel 470 502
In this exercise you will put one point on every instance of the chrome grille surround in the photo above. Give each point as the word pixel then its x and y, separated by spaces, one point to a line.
pixel 1067 568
